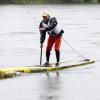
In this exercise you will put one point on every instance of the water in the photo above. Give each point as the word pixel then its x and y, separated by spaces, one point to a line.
pixel 19 46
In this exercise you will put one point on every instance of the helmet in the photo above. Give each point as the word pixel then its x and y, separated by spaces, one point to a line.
pixel 45 14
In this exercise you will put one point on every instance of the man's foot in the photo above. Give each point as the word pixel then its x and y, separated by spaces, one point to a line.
pixel 57 64
pixel 46 64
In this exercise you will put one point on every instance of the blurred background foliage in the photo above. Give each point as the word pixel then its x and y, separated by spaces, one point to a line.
pixel 47 1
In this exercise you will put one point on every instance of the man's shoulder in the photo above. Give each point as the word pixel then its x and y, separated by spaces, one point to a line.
pixel 53 19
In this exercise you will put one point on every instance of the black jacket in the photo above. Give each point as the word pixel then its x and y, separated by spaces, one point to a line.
pixel 53 23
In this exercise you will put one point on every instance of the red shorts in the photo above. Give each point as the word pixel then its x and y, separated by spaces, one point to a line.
pixel 56 41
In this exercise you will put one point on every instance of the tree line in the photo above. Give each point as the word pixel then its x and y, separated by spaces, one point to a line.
pixel 47 1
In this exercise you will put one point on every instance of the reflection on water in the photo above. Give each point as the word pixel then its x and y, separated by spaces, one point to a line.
pixel 50 88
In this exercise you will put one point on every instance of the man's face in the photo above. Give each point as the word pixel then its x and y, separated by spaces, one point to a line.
pixel 45 18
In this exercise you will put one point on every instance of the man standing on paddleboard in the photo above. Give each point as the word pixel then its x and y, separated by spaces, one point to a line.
pixel 50 25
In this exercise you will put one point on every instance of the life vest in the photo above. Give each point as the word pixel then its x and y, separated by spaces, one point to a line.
pixel 55 31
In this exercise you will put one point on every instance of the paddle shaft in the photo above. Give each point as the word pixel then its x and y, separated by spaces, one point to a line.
pixel 41 56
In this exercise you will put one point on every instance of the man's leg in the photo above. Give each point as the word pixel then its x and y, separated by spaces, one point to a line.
pixel 47 55
pixel 57 55
pixel 49 48
pixel 57 49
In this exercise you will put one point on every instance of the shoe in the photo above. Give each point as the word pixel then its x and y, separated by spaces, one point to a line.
pixel 46 64
pixel 57 64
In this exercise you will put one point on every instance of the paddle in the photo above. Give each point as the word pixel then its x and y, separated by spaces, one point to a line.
pixel 41 54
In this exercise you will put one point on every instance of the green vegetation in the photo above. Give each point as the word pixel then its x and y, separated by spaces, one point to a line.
pixel 47 1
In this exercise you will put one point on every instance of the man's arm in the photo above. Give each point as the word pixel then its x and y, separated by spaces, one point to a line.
pixel 42 37
pixel 42 34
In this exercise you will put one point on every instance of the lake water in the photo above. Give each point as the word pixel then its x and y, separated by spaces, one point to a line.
pixel 19 46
